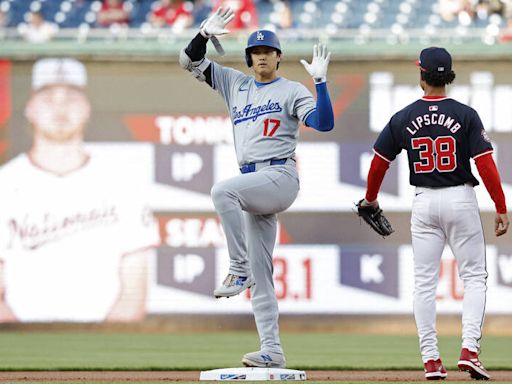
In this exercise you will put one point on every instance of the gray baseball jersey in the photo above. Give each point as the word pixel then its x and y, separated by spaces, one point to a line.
pixel 266 118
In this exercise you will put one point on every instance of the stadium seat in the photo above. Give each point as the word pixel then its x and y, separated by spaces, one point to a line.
pixel 331 14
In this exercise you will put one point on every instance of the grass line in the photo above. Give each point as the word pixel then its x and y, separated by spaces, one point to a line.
pixel 92 350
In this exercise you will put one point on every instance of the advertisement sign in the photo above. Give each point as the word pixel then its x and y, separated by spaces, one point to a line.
pixel 118 223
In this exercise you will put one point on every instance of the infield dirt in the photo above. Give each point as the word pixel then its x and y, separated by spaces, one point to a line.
pixel 177 376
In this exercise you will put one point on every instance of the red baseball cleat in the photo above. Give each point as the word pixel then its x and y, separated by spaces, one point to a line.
pixel 434 370
pixel 470 362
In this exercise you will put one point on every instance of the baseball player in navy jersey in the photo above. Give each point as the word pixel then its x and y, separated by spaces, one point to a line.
pixel 440 136
pixel 265 111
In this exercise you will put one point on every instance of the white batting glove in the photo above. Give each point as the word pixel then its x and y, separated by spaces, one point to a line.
pixel 215 25
pixel 318 67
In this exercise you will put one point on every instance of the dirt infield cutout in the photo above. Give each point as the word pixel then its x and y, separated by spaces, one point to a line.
pixel 135 376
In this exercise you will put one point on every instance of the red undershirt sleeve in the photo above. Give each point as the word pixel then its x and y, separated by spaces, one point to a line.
pixel 376 175
pixel 491 178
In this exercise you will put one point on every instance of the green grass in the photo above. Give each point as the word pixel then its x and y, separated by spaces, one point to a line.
pixel 164 351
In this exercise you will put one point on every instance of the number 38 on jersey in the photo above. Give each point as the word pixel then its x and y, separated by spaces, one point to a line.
pixel 435 154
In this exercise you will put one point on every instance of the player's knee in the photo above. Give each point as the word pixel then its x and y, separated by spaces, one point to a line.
pixel 425 283
pixel 476 279
pixel 220 196
pixel 216 192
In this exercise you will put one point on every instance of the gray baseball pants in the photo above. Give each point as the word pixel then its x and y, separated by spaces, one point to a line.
pixel 247 206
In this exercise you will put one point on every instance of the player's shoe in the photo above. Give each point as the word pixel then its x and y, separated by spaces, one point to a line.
pixel 434 370
pixel 470 362
pixel 233 285
pixel 264 359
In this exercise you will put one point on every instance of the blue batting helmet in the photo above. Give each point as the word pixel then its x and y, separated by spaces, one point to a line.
pixel 261 38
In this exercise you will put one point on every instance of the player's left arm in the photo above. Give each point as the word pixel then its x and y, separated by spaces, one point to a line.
pixel 491 178
pixel 480 149
pixel 322 118
pixel 131 302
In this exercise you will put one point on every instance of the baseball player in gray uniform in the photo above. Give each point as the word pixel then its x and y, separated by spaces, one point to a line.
pixel 265 111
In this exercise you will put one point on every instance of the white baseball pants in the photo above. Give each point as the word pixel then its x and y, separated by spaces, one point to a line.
pixel 451 215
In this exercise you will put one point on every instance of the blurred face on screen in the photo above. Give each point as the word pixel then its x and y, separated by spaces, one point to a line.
pixel 58 112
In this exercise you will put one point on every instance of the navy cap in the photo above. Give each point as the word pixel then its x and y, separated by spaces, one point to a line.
pixel 435 59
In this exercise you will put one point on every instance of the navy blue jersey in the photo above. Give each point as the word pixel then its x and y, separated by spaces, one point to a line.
pixel 440 136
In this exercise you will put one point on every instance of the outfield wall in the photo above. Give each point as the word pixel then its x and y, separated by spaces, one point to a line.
pixel 165 139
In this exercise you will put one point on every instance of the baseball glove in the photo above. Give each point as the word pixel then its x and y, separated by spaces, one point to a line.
pixel 374 218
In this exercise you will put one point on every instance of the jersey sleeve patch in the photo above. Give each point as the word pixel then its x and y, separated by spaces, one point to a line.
pixel 485 136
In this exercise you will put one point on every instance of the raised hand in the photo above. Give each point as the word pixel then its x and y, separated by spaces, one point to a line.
pixel 318 67
pixel 215 24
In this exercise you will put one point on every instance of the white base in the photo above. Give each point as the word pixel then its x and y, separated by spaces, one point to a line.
pixel 252 374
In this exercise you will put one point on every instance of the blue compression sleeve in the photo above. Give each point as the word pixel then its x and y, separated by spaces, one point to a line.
pixel 322 118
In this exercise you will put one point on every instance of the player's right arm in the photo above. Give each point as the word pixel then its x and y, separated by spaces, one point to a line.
pixel 385 150
pixel 192 58
pixel 6 313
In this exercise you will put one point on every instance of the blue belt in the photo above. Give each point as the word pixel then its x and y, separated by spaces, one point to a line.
pixel 251 167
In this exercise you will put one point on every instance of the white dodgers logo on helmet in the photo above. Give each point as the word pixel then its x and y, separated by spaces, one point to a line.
pixel 260 36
